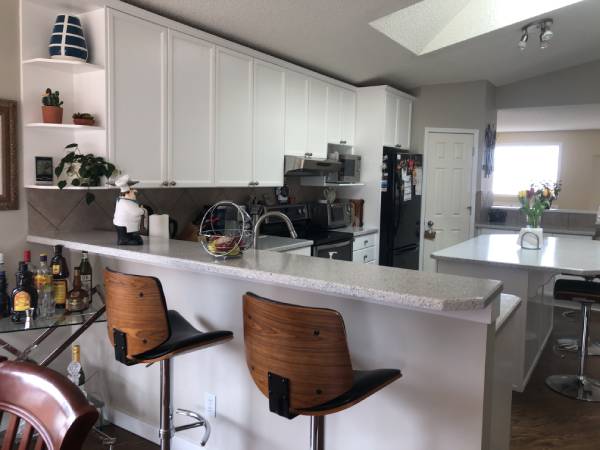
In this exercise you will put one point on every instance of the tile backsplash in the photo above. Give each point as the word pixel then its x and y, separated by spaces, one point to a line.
pixel 51 210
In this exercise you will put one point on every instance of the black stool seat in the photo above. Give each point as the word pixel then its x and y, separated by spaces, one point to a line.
pixel 183 337
pixel 366 383
pixel 577 289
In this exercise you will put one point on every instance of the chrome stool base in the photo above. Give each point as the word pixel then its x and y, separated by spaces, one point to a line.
pixel 575 387
pixel 572 345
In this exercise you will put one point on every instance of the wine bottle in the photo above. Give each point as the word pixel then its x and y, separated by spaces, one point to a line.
pixel 85 269
pixel 60 276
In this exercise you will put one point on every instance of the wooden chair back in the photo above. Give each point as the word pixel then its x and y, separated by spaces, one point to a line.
pixel 136 306
pixel 56 414
pixel 303 344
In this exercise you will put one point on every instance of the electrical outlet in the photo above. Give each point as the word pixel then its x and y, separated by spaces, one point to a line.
pixel 210 405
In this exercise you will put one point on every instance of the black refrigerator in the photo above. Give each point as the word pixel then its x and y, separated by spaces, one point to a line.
pixel 401 194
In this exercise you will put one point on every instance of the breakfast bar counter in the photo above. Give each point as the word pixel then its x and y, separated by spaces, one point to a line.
pixel 439 330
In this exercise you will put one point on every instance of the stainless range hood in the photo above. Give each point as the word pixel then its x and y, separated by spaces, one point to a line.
pixel 298 166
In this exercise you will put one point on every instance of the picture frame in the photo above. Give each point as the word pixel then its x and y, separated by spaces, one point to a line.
pixel 9 170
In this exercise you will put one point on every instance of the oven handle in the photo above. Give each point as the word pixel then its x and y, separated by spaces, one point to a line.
pixel 330 246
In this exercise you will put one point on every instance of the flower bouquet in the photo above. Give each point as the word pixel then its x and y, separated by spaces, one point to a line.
pixel 534 202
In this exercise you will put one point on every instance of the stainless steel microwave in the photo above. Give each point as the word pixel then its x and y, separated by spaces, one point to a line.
pixel 349 172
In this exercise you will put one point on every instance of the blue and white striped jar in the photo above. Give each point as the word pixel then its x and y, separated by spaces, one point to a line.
pixel 67 40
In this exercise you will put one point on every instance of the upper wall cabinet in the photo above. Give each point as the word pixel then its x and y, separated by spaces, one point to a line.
pixel 191 110
pixel 317 119
pixel 398 115
pixel 296 113
pixel 341 115
pixel 233 135
pixel 137 97
pixel 269 112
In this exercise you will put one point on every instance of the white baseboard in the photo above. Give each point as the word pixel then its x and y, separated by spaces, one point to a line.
pixel 142 429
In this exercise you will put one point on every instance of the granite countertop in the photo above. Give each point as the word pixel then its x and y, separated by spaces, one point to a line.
pixel 357 231
pixel 574 231
pixel 565 255
pixel 367 282
pixel 281 244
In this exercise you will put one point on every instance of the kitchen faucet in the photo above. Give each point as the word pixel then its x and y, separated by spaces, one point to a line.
pixel 265 216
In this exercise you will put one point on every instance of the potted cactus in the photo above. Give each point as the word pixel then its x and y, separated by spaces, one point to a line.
pixel 52 111
pixel 83 119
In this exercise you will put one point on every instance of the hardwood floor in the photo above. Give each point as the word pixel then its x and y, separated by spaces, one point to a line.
pixel 542 419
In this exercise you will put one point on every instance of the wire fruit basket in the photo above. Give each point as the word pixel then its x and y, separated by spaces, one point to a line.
pixel 226 230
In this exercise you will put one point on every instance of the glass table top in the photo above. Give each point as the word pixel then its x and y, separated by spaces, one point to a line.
pixel 60 318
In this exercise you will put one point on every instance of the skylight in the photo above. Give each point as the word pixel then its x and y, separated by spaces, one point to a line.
pixel 430 25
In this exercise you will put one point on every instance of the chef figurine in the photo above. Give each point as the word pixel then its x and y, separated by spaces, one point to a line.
pixel 128 214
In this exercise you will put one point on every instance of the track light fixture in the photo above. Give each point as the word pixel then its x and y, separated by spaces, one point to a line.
pixel 545 33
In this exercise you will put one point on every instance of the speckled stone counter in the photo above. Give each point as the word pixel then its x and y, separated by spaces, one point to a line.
pixel 382 285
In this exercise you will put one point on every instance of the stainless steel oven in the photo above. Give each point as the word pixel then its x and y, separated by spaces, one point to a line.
pixel 338 250
pixel 349 172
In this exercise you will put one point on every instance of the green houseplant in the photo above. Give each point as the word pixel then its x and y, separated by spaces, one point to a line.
pixel 83 119
pixel 52 111
pixel 85 170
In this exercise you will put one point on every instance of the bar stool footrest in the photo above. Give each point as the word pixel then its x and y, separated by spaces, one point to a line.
pixel 572 345
pixel 575 387
pixel 199 421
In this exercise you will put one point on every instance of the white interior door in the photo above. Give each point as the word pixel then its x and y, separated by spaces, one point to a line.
pixel 448 191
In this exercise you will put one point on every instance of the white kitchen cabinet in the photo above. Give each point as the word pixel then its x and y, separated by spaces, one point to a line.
pixel 191 110
pixel 364 248
pixel 296 113
pixel 341 114
pixel 398 116
pixel 137 96
pixel 269 110
pixel 233 132
pixel 317 119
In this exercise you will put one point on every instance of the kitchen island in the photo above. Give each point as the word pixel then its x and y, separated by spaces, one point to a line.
pixel 527 274
pixel 438 329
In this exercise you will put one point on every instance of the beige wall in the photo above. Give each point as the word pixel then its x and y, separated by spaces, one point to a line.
pixel 580 164
pixel 12 223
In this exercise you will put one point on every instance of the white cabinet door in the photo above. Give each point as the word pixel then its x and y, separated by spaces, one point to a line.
pixel 403 120
pixel 191 110
pixel 317 118
pixel 137 97
pixel 296 113
pixel 233 133
pixel 269 110
pixel 391 107
pixel 348 117
pixel 334 114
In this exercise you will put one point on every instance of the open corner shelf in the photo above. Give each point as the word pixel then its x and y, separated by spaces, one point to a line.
pixel 64 125
pixel 63 65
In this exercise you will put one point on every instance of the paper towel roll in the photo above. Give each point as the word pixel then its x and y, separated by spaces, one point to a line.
pixel 159 226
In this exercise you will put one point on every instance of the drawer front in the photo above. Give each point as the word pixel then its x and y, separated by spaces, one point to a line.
pixel 365 241
pixel 365 255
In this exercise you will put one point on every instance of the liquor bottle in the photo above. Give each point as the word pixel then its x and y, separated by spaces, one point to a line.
pixel 77 298
pixel 4 297
pixel 60 276
pixel 75 372
pixel 28 285
pixel 28 273
pixel 85 269
pixel 20 299
pixel 43 286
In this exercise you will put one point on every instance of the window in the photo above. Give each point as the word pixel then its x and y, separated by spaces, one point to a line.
pixel 516 167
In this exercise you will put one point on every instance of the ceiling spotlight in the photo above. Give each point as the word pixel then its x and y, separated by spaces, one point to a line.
pixel 545 32
pixel 524 38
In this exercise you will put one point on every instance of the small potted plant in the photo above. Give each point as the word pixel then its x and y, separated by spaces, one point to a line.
pixel 84 119
pixel 77 169
pixel 52 111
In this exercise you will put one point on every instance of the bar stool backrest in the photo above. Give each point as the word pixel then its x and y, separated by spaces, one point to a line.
pixel 136 306
pixel 303 344
pixel 47 403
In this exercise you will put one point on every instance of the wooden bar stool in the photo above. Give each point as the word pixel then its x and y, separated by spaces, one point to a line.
pixel 298 357
pixel 56 414
pixel 580 386
pixel 143 331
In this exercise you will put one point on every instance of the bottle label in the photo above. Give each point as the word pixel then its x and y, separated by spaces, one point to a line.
pixel 86 283
pixel 22 301
pixel 42 281
pixel 55 269
pixel 59 290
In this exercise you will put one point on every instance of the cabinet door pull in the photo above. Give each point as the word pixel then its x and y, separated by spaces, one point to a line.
pixel 173 183
pixel 365 257
pixel 399 145
pixel 308 155
pixel 366 241
pixel 343 142
pixel 165 183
